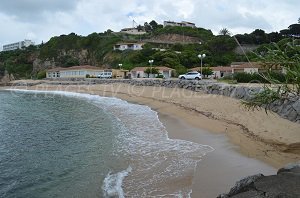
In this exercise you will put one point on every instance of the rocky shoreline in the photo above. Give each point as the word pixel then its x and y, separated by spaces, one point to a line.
pixel 285 184
pixel 288 109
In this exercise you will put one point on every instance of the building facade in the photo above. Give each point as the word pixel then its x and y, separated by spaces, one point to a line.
pixel 128 46
pixel 17 45
pixel 133 31
pixel 77 72
pixel 139 72
pixel 180 24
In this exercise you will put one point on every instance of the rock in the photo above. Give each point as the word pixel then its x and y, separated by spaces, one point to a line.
pixel 244 185
pixel 296 106
pixel 285 184
pixel 292 167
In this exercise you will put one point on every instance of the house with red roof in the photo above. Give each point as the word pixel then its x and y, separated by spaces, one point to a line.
pixel 139 72
pixel 76 72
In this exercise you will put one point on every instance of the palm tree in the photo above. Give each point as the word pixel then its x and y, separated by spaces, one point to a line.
pixel 224 32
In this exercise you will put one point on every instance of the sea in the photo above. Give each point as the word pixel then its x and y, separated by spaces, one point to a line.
pixel 65 144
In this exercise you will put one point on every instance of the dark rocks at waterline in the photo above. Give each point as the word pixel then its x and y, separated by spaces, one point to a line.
pixel 288 109
pixel 285 184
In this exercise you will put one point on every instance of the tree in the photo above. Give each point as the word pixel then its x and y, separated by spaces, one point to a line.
pixel 153 25
pixel 275 90
pixel 206 71
pixel 259 36
pixel 147 27
pixel 151 70
pixel 224 32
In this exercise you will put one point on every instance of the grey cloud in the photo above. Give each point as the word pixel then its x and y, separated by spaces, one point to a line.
pixel 31 10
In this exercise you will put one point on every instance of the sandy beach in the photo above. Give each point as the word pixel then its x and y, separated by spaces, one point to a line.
pixel 245 142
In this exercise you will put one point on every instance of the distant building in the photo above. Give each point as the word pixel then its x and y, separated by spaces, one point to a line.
pixel 75 72
pixel 17 45
pixel 246 67
pixel 128 46
pixel 139 72
pixel 133 31
pixel 180 24
pixel 218 72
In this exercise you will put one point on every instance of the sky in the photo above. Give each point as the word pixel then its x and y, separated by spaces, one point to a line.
pixel 39 20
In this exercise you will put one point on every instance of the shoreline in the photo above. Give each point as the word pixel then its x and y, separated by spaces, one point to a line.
pixel 201 127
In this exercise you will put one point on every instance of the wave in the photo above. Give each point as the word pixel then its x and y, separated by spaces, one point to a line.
pixel 112 185
pixel 159 166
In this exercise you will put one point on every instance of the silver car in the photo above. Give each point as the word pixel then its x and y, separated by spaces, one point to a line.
pixel 191 76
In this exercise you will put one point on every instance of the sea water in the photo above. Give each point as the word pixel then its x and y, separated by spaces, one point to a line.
pixel 63 144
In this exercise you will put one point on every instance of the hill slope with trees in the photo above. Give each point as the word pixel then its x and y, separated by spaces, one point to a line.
pixel 97 49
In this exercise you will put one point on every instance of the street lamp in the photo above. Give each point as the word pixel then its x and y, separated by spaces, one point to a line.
pixel 201 56
pixel 120 65
pixel 151 62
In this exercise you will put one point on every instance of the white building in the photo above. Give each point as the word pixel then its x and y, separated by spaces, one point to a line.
pixel 218 72
pixel 139 72
pixel 17 45
pixel 180 24
pixel 133 31
pixel 77 72
pixel 128 46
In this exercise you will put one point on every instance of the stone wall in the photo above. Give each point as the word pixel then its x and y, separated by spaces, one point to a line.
pixel 288 109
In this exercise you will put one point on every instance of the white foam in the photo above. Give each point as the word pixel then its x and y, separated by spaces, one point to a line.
pixel 112 185
pixel 155 158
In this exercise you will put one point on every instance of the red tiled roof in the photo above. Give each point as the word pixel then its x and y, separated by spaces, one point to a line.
pixel 162 68
pixel 82 67
pixel 247 65
pixel 218 68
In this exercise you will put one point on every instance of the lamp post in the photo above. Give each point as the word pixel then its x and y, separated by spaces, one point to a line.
pixel 201 56
pixel 120 65
pixel 151 62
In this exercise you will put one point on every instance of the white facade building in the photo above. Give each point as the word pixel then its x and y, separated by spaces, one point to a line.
pixel 77 72
pixel 133 31
pixel 17 45
pixel 180 24
pixel 139 72
pixel 128 46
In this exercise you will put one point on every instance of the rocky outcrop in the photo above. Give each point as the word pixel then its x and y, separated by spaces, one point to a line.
pixel 288 109
pixel 285 184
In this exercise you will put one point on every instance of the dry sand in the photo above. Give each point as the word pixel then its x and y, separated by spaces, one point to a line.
pixel 240 137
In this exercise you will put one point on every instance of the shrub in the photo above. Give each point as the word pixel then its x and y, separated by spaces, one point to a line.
pixel 87 76
pixel 41 74
pixel 258 78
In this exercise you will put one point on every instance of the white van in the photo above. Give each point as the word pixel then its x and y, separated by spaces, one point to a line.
pixel 105 75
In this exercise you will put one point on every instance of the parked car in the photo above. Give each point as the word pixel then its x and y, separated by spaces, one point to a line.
pixel 105 75
pixel 191 76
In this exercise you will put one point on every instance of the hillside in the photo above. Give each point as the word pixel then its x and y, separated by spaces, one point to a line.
pixel 180 45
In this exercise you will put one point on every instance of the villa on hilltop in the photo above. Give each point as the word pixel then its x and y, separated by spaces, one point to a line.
pixel 17 45
pixel 128 46
pixel 179 24
pixel 133 31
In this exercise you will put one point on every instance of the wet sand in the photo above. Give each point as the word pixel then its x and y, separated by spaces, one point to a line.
pixel 218 171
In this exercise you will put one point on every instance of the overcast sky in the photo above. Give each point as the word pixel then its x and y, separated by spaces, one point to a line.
pixel 41 19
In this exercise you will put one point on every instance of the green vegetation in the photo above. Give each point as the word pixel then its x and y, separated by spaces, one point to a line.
pixel 151 70
pixel 274 89
pixel 41 74
pixel 18 63
pixel 97 49
pixel 206 71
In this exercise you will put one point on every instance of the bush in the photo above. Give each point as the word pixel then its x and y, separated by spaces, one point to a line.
pixel 87 76
pixel 41 74
pixel 258 78
pixel 160 76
